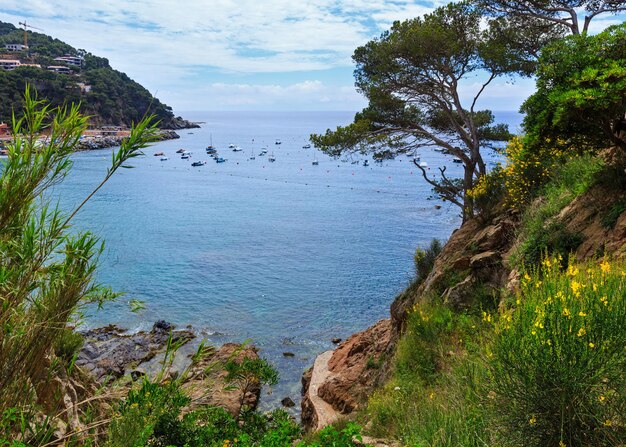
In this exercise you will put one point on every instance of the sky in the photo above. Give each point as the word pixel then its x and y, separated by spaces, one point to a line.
pixel 197 55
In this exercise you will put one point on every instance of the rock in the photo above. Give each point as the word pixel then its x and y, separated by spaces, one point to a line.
pixel 288 354
pixel 341 380
pixel 109 352
pixel 487 266
pixel 206 385
pixel 136 375
pixel 336 340
pixel 162 326
pixel 287 402
pixel 461 295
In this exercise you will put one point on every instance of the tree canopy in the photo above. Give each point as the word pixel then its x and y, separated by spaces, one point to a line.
pixel 412 77
pixel 563 15
pixel 581 92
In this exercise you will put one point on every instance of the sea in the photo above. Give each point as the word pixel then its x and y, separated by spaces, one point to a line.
pixel 285 254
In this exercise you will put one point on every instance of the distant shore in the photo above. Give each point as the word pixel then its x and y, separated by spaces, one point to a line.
pixel 99 139
pixel 92 141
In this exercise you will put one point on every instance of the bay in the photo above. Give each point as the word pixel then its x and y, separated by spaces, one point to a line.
pixel 286 254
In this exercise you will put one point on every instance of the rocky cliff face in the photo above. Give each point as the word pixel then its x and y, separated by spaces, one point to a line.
pixel 476 257
pixel 341 380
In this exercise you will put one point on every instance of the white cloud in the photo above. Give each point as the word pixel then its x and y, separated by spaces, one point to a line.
pixel 177 48
pixel 306 95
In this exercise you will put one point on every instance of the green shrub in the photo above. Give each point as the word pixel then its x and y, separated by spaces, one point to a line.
pixel 68 345
pixel 488 191
pixel 434 395
pixel 424 260
pixel 558 360
pixel 332 437
pixel 616 210
pixel 540 232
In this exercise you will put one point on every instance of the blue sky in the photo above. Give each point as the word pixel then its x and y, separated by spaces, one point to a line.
pixel 240 54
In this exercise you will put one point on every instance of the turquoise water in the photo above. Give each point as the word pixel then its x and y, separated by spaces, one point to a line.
pixel 287 254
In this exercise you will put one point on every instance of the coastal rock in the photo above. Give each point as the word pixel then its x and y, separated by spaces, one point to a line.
pixel 205 381
pixel 287 402
pixel 181 123
pixel 341 380
pixel 110 351
pixel 460 296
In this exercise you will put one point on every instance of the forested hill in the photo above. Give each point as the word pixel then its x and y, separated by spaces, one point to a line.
pixel 109 96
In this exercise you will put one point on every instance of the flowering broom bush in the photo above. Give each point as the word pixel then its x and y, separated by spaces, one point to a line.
pixel 558 359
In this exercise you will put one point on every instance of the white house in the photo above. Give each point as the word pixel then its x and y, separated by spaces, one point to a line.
pixel 9 64
pixel 70 60
pixel 61 69
pixel 15 47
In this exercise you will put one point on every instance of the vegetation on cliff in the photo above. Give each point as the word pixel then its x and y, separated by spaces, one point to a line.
pixel 112 97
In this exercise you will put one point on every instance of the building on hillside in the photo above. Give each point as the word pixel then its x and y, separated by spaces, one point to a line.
pixel 70 60
pixel 84 88
pixel 15 47
pixel 9 64
pixel 5 130
pixel 61 69
pixel 30 65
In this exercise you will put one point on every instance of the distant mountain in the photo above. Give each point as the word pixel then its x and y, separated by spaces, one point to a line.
pixel 109 96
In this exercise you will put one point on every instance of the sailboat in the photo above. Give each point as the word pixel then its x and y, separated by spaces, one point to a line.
pixel 210 147
pixel 315 162
pixel 252 157
pixel 271 158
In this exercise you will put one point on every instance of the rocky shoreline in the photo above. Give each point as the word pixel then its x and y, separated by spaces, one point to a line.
pixel 112 356
pixel 103 142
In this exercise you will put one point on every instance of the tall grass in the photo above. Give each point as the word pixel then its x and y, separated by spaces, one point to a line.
pixel 46 273
pixel 539 231
pixel 559 359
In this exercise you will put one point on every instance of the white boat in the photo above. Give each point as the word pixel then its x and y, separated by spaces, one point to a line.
pixel 185 156
pixel 164 158
pixel 315 161
pixel 231 146
pixel 237 149
pixel 278 142
pixel 306 146
pixel 271 158
pixel 423 164
pixel 252 157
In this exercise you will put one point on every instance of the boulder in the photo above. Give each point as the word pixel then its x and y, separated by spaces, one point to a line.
pixel 341 380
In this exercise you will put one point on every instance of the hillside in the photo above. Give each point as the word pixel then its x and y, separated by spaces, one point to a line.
pixel 108 95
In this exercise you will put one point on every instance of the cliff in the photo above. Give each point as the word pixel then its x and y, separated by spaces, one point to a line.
pixel 478 262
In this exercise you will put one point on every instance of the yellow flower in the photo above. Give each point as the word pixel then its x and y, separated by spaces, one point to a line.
pixel 581 332
pixel 532 420
pixel 562 444
pixel 566 312
pixel 572 270
pixel 604 300
pixel 582 314
pixel 607 423
pixel 576 286
pixel 431 396
pixel 605 266
pixel 591 345
pixel 601 398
